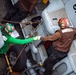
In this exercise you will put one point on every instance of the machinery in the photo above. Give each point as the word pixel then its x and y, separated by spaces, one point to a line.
pixel 50 16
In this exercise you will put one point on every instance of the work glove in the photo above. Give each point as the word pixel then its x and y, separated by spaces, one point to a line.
pixel 37 38
pixel 4 38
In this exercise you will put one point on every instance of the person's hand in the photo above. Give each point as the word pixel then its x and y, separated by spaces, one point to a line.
pixel 37 38
pixel 4 38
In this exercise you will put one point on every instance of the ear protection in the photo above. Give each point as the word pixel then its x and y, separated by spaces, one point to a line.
pixel 64 21
pixel 9 27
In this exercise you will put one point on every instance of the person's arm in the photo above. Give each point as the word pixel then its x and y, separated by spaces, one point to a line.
pixel 22 41
pixel 51 37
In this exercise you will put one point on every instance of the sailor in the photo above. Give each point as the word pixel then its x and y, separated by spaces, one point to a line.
pixel 61 43
pixel 9 38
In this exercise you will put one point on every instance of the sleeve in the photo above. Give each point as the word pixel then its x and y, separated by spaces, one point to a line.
pixel 20 41
pixel 53 37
